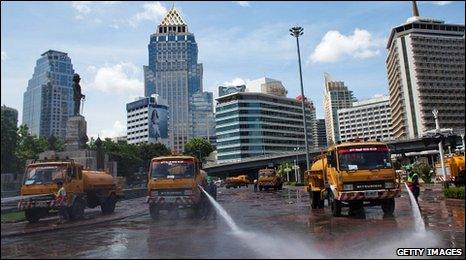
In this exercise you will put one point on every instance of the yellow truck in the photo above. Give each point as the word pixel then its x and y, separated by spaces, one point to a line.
pixel 173 183
pixel 454 166
pixel 238 181
pixel 83 188
pixel 268 178
pixel 353 174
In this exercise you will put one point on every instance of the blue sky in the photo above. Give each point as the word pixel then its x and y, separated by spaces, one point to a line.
pixel 238 41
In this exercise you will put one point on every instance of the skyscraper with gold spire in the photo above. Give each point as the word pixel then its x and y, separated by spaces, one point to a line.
pixel 174 73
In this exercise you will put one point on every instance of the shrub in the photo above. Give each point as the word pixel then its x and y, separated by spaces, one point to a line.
pixel 424 171
pixel 454 192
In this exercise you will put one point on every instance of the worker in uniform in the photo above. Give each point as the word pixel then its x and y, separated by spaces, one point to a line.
pixel 413 182
pixel 60 200
pixel 255 185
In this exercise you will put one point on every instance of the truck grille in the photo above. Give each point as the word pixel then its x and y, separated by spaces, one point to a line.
pixel 171 192
pixel 368 185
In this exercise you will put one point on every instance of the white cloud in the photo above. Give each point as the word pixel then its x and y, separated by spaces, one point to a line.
pixel 438 2
pixel 334 46
pixel 243 3
pixel 122 77
pixel 235 82
pixel 152 12
pixel 4 56
pixel 118 129
pixel 82 7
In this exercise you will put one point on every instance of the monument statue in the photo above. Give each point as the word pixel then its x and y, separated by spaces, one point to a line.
pixel 77 95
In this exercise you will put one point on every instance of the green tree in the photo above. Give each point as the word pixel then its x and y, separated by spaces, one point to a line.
pixel 9 142
pixel 424 171
pixel 28 146
pixel 198 146
pixel 149 151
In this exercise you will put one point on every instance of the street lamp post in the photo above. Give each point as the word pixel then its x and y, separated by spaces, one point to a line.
pixel 296 32
pixel 440 144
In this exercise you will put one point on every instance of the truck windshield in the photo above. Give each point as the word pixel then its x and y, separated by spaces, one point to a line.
pixel 364 158
pixel 173 169
pixel 44 174
pixel 267 174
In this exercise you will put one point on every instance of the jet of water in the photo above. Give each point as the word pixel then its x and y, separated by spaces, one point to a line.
pixel 267 245
pixel 222 212
pixel 419 222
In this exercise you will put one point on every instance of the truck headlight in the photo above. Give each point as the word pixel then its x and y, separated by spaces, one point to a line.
pixel 347 186
pixel 389 185
pixel 153 193
pixel 188 192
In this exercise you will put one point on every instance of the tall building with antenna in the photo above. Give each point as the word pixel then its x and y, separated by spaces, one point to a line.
pixel 425 68
pixel 174 73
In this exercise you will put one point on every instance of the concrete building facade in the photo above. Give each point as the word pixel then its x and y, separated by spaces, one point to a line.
pixel 425 68
pixel 369 118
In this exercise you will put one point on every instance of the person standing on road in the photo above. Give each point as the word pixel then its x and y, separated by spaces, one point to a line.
pixel 60 200
pixel 255 185
pixel 413 182
pixel 212 191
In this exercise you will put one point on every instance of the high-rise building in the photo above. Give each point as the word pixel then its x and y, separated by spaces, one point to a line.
pixel 425 67
pixel 336 96
pixel 321 134
pixel 267 86
pixel 203 115
pixel 222 91
pixel 174 73
pixel 261 121
pixel 147 121
pixel 366 119
pixel 48 100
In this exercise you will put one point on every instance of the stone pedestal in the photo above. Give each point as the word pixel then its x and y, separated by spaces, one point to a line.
pixel 76 136
pixel 75 144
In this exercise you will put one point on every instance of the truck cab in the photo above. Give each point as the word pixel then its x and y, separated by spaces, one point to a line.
pixel 268 178
pixel 354 173
pixel 173 183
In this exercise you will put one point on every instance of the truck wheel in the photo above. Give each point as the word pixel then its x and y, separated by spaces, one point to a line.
pixel 153 211
pixel 76 211
pixel 335 205
pixel 109 205
pixel 260 188
pixel 388 206
pixel 32 215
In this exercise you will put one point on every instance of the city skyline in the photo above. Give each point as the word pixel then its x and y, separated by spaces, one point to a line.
pixel 110 64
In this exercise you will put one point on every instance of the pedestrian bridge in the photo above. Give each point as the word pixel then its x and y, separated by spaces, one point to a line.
pixel 250 166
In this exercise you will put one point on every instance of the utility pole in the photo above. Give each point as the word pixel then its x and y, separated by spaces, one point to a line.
pixel 296 32
pixel 440 145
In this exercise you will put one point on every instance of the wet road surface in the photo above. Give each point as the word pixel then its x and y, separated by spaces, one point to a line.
pixel 274 224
